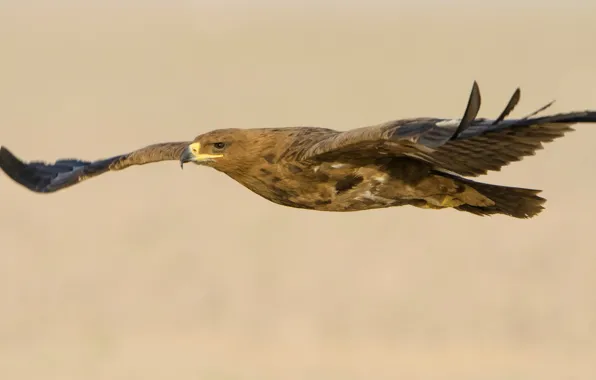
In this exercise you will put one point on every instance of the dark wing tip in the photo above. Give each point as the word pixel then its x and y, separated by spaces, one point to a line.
pixel 471 111
pixel 12 166
pixel 19 171
pixel 6 157
pixel 543 108
pixel 509 107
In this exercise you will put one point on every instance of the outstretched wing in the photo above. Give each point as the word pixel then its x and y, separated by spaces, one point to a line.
pixel 49 177
pixel 466 146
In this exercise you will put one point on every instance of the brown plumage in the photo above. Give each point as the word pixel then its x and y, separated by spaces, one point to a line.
pixel 419 162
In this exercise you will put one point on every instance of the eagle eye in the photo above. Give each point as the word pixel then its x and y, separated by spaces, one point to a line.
pixel 219 145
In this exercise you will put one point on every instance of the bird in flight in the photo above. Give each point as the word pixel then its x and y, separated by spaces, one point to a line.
pixel 422 162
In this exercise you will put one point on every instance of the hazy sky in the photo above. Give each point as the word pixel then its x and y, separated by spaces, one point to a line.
pixel 306 4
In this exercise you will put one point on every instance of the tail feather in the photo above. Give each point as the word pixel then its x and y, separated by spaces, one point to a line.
pixel 513 201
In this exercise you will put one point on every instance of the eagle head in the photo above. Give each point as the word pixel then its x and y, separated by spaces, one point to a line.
pixel 224 149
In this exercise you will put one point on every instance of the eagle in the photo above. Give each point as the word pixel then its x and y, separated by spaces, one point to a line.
pixel 424 162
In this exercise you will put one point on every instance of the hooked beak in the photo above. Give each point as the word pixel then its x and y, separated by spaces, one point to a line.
pixel 192 153
pixel 186 156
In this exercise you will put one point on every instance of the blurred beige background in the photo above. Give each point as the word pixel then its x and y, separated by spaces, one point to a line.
pixel 156 273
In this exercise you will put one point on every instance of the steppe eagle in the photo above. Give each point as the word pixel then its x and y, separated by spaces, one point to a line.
pixel 420 162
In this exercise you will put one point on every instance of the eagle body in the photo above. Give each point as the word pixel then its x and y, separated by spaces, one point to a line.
pixel 328 186
pixel 423 162
pixel 351 186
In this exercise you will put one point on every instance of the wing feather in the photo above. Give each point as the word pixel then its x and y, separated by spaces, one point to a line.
pixel 50 177
pixel 466 146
